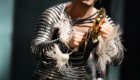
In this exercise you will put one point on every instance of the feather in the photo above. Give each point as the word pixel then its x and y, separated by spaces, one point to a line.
pixel 56 54
pixel 108 48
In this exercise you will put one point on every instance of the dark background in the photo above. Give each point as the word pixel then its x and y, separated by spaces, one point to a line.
pixel 131 63
pixel 26 15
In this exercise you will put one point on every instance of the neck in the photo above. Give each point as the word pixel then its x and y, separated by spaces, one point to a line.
pixel 77 11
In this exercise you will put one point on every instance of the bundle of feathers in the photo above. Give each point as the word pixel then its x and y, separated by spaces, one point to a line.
pixel 107 48
pixel 62 58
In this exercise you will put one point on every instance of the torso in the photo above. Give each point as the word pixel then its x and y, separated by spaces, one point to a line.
pixel 80 27
pixel 77 60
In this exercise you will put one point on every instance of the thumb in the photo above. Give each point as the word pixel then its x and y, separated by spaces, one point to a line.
pixel 104 20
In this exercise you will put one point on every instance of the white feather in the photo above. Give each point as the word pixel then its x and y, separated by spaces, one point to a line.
pixel 56 54
pixel 108 48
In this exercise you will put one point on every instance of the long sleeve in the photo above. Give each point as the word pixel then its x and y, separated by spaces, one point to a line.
pixel 110 50
pixel 118 58
pixel 42 40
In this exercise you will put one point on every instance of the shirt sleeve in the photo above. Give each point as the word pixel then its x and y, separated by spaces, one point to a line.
pixel 118 58
pixel 42 41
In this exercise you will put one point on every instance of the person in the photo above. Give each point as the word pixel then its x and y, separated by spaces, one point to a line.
pixel 53 66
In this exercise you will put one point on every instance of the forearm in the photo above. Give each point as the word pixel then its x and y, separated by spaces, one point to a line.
pixel 110 49
pixel 43 41
pixel 40 49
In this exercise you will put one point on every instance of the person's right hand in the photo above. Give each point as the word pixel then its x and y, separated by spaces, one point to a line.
pixel 77 39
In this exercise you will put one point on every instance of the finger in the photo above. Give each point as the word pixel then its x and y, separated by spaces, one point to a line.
pixel 79 37
pixel 107 25
pixel 76 44
pixel 80 33
pixel 104 20
pixel 104 36
pixel 82 41
pixel 84 38
pixel 103 27
pixel 79 40
pixel 102 31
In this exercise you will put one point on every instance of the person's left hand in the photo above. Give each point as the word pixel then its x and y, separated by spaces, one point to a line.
pixel 105 28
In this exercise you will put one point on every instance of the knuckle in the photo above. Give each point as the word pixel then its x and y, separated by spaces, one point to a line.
pixel 75 43
pixel 101 29
pixel 104 23
pixel 82 34
pixel 102 26
pixel 74 39
pixel 107 33
pixel 74 34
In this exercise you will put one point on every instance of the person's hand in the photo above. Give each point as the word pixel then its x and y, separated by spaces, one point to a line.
pixel 105 28
pixel 77 39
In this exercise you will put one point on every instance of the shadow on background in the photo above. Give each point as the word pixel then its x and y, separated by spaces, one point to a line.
pixel 131 63
pixel 6 29
pixel 26 15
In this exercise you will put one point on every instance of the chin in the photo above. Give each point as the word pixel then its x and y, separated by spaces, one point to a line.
pixel 88 2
